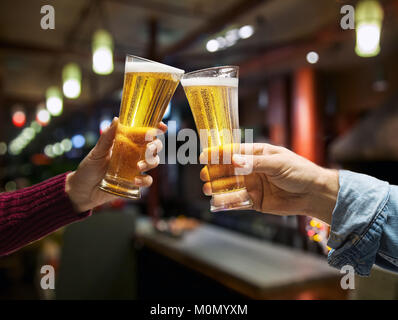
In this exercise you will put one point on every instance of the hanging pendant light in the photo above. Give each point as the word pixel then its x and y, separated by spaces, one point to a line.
pixel 369 19
pixel 102 52
pixel 54 101
pixel 43 117
pixel 72 78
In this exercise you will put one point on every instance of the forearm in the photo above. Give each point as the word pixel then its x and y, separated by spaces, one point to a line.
pixel 322 198
pixel 29 214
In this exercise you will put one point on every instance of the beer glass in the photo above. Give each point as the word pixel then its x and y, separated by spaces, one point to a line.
pixel 213 97
pixel 147 90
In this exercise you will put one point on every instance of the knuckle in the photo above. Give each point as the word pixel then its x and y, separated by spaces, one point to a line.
pixel 280 149
pixel 256 163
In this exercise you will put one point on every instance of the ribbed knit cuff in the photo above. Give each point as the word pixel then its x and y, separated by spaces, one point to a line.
pixel 31 213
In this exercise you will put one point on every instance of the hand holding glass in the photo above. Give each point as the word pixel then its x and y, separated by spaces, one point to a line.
pixel 213 97
pixel 147 90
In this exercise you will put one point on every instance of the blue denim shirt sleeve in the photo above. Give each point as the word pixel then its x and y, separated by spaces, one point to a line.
pixel 364 228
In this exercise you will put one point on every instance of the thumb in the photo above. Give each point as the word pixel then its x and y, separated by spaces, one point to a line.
pixel 105 141
pixel 267 164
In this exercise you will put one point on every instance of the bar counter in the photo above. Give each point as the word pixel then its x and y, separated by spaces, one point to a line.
pixel 252 267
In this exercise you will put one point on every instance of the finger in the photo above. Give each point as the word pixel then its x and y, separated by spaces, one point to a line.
pixel 258 148
pixel 105 141
pixel 143 165
pixel 207 189
pixel 211 155
pixel 152 134
pixel 155 146
pixel 162 126
pixel 218 155
pixel 269 164
pixel 143 180
pixel 204 174
pixel 240 160
pixel 223 154
pixel 151 152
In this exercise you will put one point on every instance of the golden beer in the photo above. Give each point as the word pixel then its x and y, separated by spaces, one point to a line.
pixel 147 90
pixel 213 99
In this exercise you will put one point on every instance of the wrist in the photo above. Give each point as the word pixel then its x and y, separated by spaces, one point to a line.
pixel 78 200
pixel 323 196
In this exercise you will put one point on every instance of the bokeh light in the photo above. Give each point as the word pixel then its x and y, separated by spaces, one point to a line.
pixel 43 117
pixel 312 57
pixel 54 101
pixel 66 145
pixel 19 118
pixel 104 124
pixel 78 141
pixel 246 32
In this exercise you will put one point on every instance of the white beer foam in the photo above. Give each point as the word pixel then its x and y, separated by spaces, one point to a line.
pixel 151 67
pixel 209 81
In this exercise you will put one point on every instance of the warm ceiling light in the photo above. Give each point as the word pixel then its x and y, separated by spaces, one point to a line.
pixel 369 18
pixel 102 52
pixel 54 101
pixel 72 77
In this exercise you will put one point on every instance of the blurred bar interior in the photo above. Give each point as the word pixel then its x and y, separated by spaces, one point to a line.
pixel 327 93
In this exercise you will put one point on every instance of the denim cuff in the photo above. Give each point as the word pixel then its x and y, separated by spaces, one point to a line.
pixel 357 221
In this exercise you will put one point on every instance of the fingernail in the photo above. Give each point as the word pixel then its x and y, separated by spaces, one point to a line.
pixel 239 160
pixel 138 181
pixel 113 121
pixel 141 165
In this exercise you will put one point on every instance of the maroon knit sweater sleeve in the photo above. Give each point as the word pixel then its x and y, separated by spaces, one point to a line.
pixel 31 213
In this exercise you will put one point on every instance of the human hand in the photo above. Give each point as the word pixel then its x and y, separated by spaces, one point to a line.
pixel 82 184
pixel 282 182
